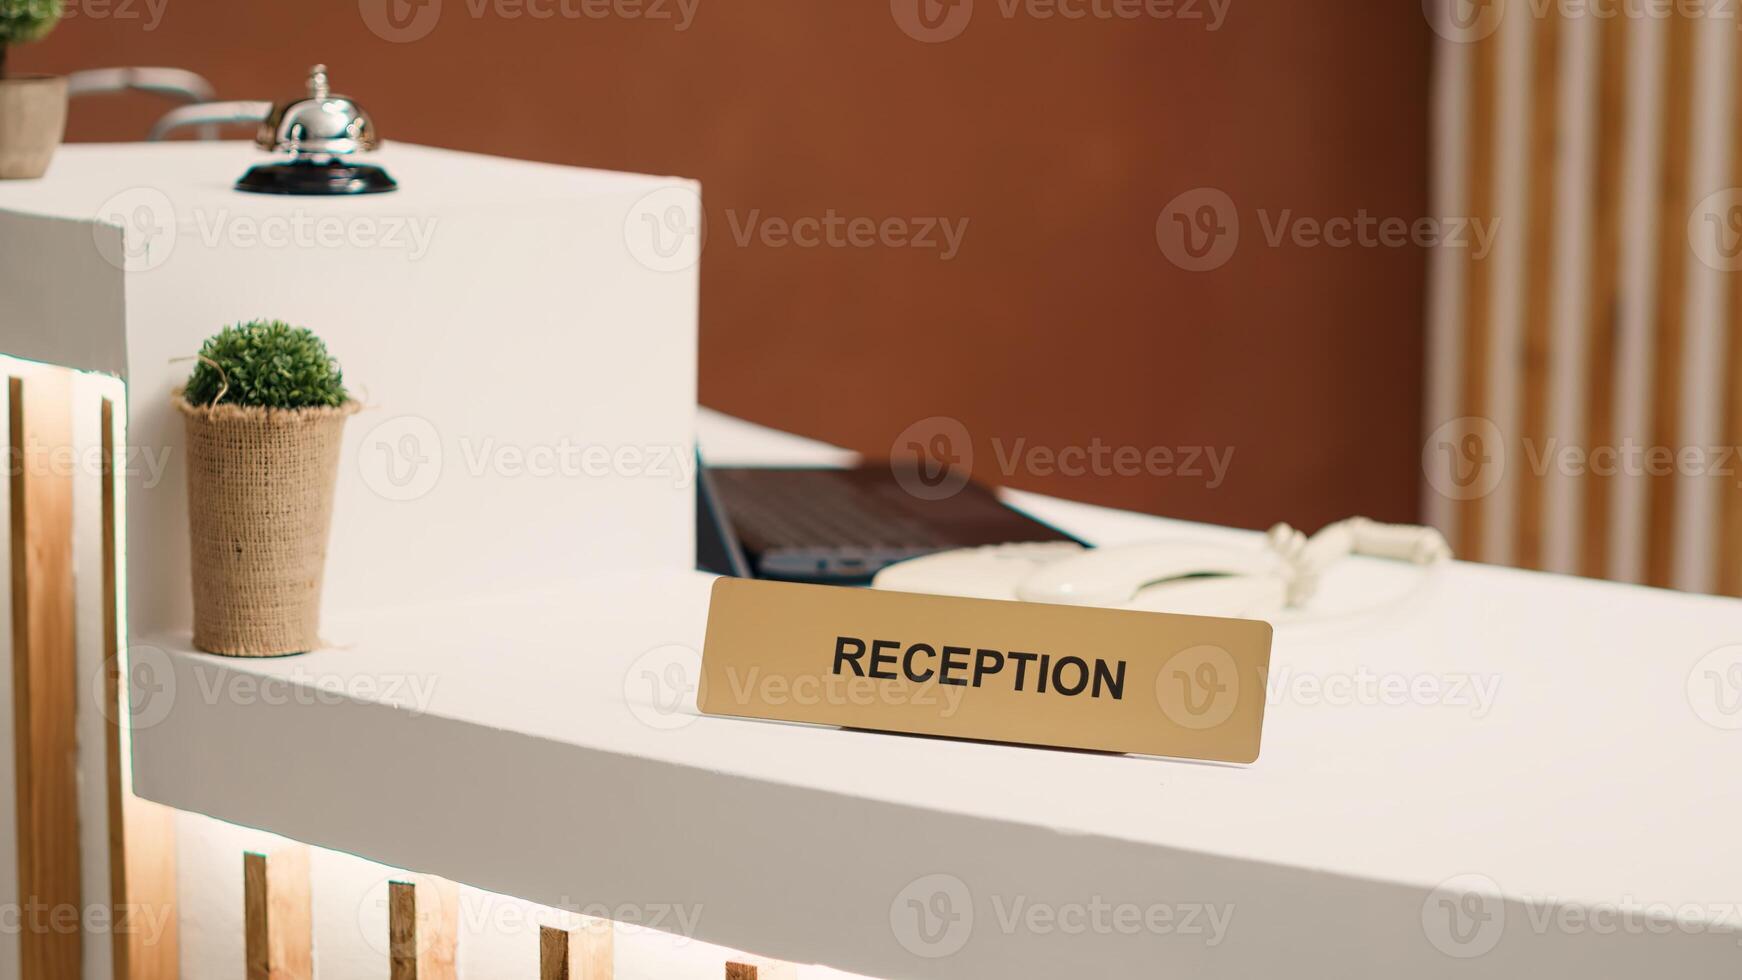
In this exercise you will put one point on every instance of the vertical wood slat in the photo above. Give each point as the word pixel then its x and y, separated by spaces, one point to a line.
pixel 585 953
pixel 1529 531
pixel 1479 286
pixel 1671 313
pixel 423 919
pixel 142 888
pixel 1604 300
pixel 760 969
pixel 278 915
pixel 1729 550
pixel 44 680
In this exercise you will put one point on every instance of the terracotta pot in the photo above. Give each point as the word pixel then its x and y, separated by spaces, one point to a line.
pixel 33 118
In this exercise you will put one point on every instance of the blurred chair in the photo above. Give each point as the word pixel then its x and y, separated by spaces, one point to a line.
pixel 208 116
pixel 173 83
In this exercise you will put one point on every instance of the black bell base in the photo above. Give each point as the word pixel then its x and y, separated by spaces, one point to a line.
pixel 316 179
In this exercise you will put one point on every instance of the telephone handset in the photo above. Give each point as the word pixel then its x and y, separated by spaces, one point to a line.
pixel 1179 576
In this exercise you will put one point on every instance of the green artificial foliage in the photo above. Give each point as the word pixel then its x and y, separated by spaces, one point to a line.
pixel 266 364
pixel 22 21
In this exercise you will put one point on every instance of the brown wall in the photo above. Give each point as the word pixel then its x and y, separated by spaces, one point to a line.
pixel 1060 142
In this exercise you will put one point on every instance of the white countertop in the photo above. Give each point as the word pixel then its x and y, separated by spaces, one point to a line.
pixel 1538 739
pixel 497 319
pixel 86 176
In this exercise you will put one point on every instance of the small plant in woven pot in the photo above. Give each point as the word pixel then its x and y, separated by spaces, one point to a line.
pixel 265 410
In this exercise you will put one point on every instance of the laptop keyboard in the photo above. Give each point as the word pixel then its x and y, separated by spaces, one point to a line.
pixel 809 509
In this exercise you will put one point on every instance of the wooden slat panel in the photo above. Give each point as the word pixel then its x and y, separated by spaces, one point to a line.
pixel 584 953
pixel 1604 310
pixel 553 954
pixel 45 682
pixel 141 834
pixel 278 915
pixel 1669 324
pixel 1539 286
pixel 1671 316
pixel 760 969
pixel 1479 285
pixel 423 928
pixel 1729 556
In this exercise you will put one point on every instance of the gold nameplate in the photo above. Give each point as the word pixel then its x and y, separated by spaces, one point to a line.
pixel 1113 680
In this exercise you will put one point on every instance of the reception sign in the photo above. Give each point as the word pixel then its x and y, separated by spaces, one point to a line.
pixel 1030 673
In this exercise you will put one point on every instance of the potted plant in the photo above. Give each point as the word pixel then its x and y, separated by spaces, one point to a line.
pixel 33 108
pixel 265 410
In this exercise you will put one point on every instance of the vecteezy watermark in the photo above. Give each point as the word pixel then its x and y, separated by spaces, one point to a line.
pixel 833 230
pixel 1467 21
pixel 933 459
pixel 37 918
pixel 1466 459
pixel 1098 458
pixel 1097 916
pixel 145 464
pixel 1631 458
pixel 150 227
pixel 1464 21
pixel 1715 230
pixel 300 229
pixel 1363 230
pixel 405 458
pixel 1715 688
pixel 663 686
pixel 935 21
pixel 143 697
pixel 666 229
pixel 403 21
pixel 844 688
pixel 1200 230
pixel 1199 687
pixel 412 693
pixel 482 913
pixel 401 458
pixel 1365 687
pixel 136 229
pixel 1466 916
pixel 935 916
pixel 148 14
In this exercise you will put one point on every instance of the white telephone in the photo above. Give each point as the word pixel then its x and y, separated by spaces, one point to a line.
pixel 1178 576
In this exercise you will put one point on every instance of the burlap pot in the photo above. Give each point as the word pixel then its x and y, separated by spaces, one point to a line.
pixel 33 119
pixel 260 506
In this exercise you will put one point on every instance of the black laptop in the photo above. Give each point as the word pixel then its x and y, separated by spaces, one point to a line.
pixel 841 526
